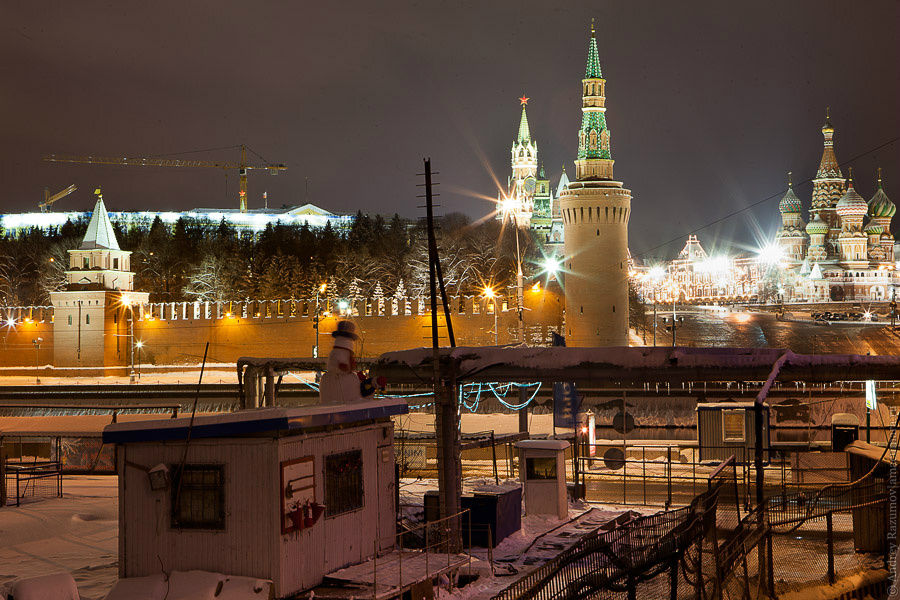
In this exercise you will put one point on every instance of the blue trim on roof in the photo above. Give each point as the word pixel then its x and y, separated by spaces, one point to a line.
pixel 135 432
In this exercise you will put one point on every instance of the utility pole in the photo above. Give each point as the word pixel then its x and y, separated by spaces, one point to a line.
pixel 446 408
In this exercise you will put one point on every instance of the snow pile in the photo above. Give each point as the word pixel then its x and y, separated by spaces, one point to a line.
pixel 191 585
pixel 58 586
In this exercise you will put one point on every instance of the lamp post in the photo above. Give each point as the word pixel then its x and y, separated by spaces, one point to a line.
pixel 491 295
pixel 319 290
pixel 37 373
pixel 126 303
pixel 509 208
pixel 138 345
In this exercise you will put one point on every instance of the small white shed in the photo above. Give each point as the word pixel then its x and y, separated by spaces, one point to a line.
pixel 248 500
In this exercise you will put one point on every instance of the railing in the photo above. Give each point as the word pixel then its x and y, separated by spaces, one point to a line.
pixel 620 559
pixel 433 552
pixel 669 475
pixel 36 480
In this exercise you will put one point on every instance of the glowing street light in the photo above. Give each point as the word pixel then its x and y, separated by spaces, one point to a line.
pixel 491 295
pixel 771 254
pixel 139 344
pixel 551 266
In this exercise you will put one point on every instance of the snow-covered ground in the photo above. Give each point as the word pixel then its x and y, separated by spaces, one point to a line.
pixel 77 533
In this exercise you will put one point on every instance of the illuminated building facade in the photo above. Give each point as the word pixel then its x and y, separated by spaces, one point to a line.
pixel 696 277
pixel 253 220
pixel 846 251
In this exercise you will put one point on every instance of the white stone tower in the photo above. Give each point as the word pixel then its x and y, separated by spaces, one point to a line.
pixel 595 212
pixel 90 324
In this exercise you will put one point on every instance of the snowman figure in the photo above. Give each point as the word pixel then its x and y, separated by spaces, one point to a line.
pixel 341 383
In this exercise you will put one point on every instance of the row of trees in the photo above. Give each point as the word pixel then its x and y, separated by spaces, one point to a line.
pixel 197 260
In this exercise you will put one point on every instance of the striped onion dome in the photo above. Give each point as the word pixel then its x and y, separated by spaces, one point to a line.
pixel 851 203
pixel 880 205
pixel 790 203
pixel 816 225
pixel 873 228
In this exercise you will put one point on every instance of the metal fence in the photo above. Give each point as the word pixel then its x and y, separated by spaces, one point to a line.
pixel 76 455
pixel 36 481
pixel 670 475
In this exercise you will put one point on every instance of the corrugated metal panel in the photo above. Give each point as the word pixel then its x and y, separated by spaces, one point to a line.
pixel 148 542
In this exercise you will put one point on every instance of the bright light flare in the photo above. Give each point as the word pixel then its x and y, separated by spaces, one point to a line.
pixel 489 292
pixel 139 344
pixel 551 265
pixel 770 254
pixel 741 317
pixel 656 273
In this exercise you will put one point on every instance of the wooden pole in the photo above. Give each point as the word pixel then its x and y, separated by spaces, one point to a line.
pixel 446 409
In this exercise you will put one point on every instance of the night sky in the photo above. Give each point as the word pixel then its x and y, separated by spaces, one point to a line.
pixel 709 103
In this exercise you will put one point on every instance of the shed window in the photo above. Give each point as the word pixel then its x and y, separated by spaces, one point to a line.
pixel 733 426
pixel 343 482
pixel 200 504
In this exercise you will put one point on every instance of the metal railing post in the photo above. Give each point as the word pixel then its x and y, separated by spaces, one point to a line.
pixel 830 539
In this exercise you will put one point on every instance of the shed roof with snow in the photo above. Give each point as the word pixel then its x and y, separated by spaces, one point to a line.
pixel 253 422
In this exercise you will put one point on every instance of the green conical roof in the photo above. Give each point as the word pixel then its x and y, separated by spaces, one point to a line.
pixel 592 70
pixel 524 131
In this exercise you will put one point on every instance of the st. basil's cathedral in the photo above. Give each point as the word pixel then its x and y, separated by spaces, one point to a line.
pixel 846 250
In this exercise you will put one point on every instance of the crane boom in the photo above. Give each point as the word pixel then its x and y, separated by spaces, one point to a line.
pixel 48 199
pixel 132 161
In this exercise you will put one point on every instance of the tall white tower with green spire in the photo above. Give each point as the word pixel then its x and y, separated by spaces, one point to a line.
pixel 595 211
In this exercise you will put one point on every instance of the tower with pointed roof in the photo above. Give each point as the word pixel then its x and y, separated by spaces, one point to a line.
pixel 522 184
pixel 595 211
pixel 791 237
pixel 89 324
pixel 828 187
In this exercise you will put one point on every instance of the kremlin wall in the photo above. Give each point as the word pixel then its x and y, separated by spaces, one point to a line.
pixel 176 333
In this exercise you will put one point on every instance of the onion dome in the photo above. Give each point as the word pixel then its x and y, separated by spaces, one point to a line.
pixel 880 205
pixel 816 226
pixel 851 203
pixel 790 203
pixel 874 228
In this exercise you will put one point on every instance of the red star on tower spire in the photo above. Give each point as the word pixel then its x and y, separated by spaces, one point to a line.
pixel 523 100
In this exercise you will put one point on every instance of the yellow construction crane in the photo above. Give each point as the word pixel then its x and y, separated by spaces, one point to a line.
pixel 242 167
pixel 49 200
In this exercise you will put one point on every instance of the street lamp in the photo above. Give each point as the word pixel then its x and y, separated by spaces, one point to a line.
pixel 656 274
pixel 490 294
pixel 37 346
pixel 319 290
pixel 509 208
pixel 551 267
pixel 126 302
pixel 138 345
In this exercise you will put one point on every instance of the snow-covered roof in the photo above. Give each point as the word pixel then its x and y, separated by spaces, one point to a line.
pixel 100 233
pixel 874 453
pixel 633 364
pixel 248 422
